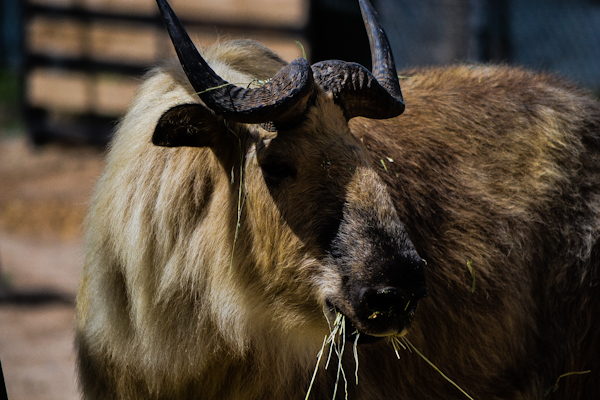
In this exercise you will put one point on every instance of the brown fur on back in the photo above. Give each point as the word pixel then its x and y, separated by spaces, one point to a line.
pixel 498 168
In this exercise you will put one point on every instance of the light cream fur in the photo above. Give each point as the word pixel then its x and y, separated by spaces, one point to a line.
pixel 162 306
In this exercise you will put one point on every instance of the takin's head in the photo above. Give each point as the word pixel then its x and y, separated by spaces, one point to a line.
pixel 317 226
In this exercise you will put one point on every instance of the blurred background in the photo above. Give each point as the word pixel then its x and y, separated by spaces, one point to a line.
pixel 69 68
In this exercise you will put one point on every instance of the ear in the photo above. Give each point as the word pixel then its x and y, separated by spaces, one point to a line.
pixel 190 125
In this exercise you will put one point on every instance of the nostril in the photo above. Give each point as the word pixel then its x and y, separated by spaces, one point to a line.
pixel 383 300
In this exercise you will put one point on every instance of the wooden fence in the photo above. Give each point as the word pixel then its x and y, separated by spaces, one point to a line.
pixel 84 58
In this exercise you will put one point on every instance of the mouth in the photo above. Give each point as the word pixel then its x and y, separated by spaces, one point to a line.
pixel 368 326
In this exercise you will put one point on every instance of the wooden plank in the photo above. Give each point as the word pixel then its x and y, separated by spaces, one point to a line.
pixel 139 7
pixel 56 37
pixel 103 41
pixel 114 94
pixel 277 13
pixel 135 7
pixel 290 13
pixel 58 90
pixel 131 43
pixel 80 93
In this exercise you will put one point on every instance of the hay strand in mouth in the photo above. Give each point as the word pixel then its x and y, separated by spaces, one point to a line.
pixel 397 342
pixel 339 350
pixel 355 352
pixel 337 342
pixel 333 332
pixel 316 368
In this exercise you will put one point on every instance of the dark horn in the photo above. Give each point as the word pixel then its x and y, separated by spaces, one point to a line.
pixel 384 68
pixel 283 98
pixel 358 91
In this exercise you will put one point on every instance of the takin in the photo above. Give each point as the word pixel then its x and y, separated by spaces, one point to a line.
pixel 266 230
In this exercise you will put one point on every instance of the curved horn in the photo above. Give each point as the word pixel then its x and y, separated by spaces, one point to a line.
pixel 354 88
pixel 283 98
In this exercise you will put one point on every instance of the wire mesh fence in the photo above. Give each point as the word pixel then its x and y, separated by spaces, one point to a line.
pixel 559 36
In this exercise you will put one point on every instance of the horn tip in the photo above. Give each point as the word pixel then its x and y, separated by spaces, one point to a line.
pixel 365 6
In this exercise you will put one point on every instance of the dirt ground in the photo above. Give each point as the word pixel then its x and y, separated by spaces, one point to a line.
pixel 44 194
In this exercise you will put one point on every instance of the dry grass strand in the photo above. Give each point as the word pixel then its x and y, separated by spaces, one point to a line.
pixel 337 342
pixel 403 342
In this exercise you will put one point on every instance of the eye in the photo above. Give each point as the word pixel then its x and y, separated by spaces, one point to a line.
pixel 275 171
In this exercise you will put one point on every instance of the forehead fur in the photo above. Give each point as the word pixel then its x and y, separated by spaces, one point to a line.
pixel 237 60
pixel 325 117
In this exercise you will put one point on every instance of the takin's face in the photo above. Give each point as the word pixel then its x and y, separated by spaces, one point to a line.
pixel 330 214
pixel 324 232
pixel 320 229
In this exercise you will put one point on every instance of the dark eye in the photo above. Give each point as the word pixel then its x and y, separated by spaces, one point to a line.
pixel 275 172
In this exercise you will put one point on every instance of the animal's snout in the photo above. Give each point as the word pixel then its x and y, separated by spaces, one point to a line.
pixel 386 310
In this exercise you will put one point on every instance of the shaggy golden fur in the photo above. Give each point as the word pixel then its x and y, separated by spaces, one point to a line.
pixel 493 167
